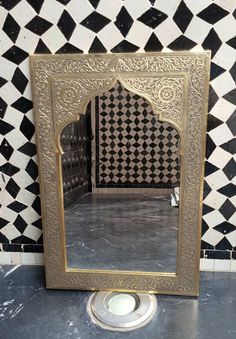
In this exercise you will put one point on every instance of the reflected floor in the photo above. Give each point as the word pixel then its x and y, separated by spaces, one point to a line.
pixel 122 232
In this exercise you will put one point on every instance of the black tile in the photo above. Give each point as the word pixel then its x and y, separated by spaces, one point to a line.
pixel 212 42
pixel 231 96
pixel 228 190
pixel 152 17
pixel 225 227
pixel 216 70
pixel 227 209
pixel 124 21
pixel 15 54
pixel 231 123
pixel 5 127
pixel 232 71
pixel 19 80
pixel 206 190
pixel 22 239
pixel 38 223
pixel 9 4
pixel 230 169
pixel 205 227
pixel 153 44
pixel 3 222
pixel 205 245
pixel 213 98
pixel 63 2
pixel 36 205
pixel 95 22
pixel 232 42
pixel 23 105
pixel 36 4
pixel 12 248
pixel 181 43
pixel 217 254
pixel 3 239
pixel 38 25
pixel 33 188
pixel 41 48
pixel 32 169
pixel 213 122
pixel 9 169
pixel 66 24
pixel 183 16
pixel 206 209
pixel 210 168
pixel 17 206
pixel 124 46
pixel 27 128
pixel 212 14
pixel 11 27
pixel 3 107
pixel 33 248
pixel 68 48
pixel 2 82
pixel 28 148
pixel 210 146
pixel 12 188
pixel 6 149
pixel 230 146
pixel 224 244
pixel 20 224
pixel 97 46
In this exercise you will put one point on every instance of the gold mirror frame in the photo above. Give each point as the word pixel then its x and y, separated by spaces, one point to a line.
pixel 176 85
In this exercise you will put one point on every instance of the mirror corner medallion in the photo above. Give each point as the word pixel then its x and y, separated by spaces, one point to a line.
pixel 175 88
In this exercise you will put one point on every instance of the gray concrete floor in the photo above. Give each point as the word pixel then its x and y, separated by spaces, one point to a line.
pixel 122 231
pixel 29 311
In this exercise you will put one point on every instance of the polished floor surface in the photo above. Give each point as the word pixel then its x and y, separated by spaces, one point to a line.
pixel 29 311
pixel 124 232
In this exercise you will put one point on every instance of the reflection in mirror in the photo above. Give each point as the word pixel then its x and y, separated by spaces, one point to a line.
pixel 121 173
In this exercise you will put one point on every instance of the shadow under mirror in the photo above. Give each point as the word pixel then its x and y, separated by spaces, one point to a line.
pixel 121 178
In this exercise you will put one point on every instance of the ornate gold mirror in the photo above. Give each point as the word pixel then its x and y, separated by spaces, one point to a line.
pixel 121 145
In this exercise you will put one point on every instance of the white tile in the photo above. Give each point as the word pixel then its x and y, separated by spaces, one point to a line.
pixel 213 218
pixel 222 265
pixel 223 84
pixel 232 220
pixel 212 237
pixel 10 230
pixel 228 5
pixel 233 266
pixel 223 109
pixel 206 264
pixel 140 7
pixel 231 237
pixel 28 258
pixel 109 11
pixel 54 39
pixel 32 232
pixel 5 258
pixel 219 157
pixel 217 179
pixel 8 70
pixel 16 258
pixel 225 56
pixel 23 13
pixel 221 134
pixel 139 34
pixel 82 38
pixel 224 33
pixel 51 11
pixel 80 11
pixel 110 36
pixel 197 30
pixel 215 199
pixel 27 41
pixel 167 32
pixel 39 258
pixel 169 9
pixel 197 6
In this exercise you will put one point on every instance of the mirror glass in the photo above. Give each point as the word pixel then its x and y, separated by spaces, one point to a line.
pixel 121 178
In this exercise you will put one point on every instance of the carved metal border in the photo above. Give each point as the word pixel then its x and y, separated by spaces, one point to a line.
pixel 176 85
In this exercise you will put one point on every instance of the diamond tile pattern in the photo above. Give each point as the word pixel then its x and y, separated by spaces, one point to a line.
pixel 134 147
pixel 96 26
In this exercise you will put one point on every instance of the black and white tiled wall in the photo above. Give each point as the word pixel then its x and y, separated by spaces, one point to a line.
pixel 89 26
